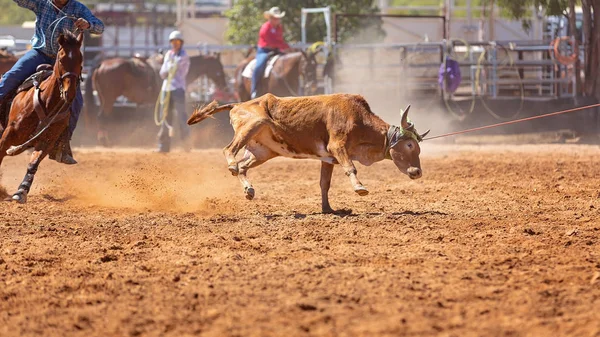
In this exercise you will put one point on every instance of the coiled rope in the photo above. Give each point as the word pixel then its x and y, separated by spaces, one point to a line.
pixel 477 82
pixel 164 99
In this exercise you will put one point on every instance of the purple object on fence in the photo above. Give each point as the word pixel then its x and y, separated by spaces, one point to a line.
pixel 451 69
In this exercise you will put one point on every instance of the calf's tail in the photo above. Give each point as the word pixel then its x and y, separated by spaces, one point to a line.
pixel 212 108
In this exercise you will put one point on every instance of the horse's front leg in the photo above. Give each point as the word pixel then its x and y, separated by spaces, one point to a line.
pixel 36 158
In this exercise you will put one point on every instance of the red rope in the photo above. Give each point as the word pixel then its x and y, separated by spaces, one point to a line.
pixel 515 121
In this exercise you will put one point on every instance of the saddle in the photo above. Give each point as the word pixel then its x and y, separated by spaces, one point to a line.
pixel 249 69
pixel 43 71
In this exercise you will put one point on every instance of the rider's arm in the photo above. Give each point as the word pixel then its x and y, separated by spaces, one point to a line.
pixel 278 40
pixel 282 45
pixel 164 69
pixel 96 25
pixel 29 4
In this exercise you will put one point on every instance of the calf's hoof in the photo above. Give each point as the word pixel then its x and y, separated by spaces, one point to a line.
pixel 233 169
pixel 361 190
pixel 249 191
pixel 327 210
pixel 20 197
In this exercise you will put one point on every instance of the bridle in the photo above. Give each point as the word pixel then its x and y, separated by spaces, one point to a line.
pixel 68 74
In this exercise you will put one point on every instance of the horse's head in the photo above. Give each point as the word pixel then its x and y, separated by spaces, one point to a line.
pixel 309 70
pixel 69 64
pixel 211 66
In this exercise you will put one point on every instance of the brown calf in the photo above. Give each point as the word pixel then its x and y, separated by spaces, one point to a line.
pixel 335 129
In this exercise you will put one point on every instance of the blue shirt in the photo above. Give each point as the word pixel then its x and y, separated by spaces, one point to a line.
pixel 48 24
pixel 182 62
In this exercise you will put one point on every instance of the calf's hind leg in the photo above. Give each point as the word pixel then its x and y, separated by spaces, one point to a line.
pixel 243 134
pixel 254 155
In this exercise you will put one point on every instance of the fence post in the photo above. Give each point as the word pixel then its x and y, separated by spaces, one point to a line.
pixel 494 69
pixel 205 78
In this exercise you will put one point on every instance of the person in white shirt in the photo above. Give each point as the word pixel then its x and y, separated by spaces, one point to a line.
pixel 173 72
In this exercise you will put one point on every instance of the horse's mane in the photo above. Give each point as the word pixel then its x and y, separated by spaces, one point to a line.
pixel 70 39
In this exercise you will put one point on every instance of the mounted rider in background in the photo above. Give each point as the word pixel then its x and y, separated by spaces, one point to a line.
pixel 270 40
pixel 174 71
pixel 52 18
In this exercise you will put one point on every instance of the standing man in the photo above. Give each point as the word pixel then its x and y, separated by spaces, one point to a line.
pixel 173 72
pixel 52 17
pixel 270 39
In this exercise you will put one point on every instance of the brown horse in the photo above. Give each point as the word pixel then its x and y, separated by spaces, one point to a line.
pixel 138 80
pixel 7 60
pixel 40 114
pixel 285 77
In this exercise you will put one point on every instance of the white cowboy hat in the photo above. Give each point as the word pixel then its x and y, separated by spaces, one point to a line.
pixel 274 12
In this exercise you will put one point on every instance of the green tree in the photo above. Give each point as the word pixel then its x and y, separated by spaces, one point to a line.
pixel 246 17
pixel 12 14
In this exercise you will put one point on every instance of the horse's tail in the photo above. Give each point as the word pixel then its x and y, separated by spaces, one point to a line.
pixel 207 111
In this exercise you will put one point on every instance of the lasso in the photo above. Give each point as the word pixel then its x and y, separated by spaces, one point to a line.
pixel 164 98
pixel 479 67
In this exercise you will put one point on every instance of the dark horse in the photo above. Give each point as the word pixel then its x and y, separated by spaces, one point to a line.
pixel 138 80
pixel 285 78
pixel 7 60
pixel 40 114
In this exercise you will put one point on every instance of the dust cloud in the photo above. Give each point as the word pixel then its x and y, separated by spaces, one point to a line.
pixel 141 181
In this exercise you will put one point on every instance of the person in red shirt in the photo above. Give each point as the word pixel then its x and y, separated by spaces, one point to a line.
pixel 270 39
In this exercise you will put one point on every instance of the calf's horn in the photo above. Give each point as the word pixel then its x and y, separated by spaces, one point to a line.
pixel 404 122
pixel 425 134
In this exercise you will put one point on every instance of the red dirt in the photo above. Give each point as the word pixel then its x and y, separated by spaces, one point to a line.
pixel 492 241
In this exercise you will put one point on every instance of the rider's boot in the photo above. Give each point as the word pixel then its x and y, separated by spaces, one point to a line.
pixel 62 152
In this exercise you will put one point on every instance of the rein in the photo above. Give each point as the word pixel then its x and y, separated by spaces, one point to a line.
pixel 46 120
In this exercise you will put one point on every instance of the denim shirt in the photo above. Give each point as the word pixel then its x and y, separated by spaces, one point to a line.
pixel 49 25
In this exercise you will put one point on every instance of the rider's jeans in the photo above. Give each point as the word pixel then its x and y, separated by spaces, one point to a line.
pixel 262 56
pixel 26 67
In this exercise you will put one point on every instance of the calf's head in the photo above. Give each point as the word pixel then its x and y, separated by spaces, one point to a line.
pixel 403 147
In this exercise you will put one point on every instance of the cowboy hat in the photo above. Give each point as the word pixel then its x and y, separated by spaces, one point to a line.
pixel 274 12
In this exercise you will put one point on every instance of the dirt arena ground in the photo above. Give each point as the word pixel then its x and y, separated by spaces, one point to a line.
pixel 492 241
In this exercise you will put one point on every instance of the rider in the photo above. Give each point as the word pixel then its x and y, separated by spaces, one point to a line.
pixel 52 17
pixel 270 39
pixel 174 72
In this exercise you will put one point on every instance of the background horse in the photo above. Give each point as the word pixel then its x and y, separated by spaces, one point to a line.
pixel 7 60
pixel 285 77
pixel 44 113
pixel 138 79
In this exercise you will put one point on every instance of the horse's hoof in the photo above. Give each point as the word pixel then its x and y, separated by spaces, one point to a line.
pixel 249 191
pixel 20 197
pixel 361 190
pixel 233 169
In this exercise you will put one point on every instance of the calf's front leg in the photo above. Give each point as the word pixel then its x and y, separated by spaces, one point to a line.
pixel 341 155
pixel 326 173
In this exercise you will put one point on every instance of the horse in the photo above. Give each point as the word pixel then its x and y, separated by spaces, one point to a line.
pixel 284 79
pixel 7 60
pixel 39 113
pixel 138 79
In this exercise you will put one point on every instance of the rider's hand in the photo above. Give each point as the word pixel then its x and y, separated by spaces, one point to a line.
pixel 82 24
